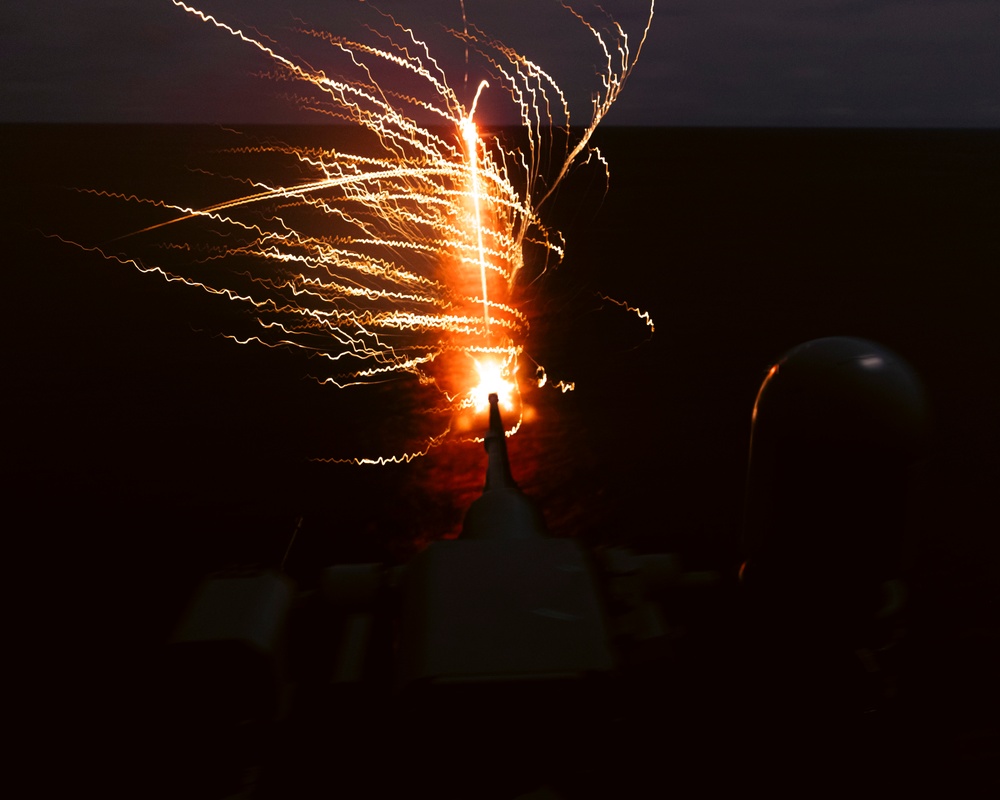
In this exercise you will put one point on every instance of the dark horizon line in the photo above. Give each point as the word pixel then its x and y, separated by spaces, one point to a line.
pixel 237 126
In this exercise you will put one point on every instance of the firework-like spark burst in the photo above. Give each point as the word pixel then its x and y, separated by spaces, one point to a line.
pixel 405 256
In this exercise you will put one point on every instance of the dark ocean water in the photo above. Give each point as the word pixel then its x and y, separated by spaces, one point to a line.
pixel 142 450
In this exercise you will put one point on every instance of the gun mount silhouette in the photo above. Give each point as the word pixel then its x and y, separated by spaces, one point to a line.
pixel 508 661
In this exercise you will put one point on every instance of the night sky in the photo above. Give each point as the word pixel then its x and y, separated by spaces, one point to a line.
pixel 850 63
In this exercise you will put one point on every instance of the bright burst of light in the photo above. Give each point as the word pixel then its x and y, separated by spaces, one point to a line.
pixel 405 256
pixel 493 379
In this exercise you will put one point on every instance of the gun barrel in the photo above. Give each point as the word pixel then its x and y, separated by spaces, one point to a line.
pixel 503 511
pixel 498 474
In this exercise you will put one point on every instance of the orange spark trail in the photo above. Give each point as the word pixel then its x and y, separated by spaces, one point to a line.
pixel 404 257
pixel 643 315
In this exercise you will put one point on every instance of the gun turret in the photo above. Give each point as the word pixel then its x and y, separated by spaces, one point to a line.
pixel 514 651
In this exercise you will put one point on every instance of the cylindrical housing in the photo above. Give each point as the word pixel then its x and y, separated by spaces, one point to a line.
pixel 836 426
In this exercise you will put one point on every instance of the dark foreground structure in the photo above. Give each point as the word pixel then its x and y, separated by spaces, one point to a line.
pixel 508 663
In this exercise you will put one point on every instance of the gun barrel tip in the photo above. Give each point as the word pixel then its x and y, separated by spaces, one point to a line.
pixel 494 399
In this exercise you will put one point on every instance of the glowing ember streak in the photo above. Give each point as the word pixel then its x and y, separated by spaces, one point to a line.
pixel 471 136
pixel 404 258
pixel 643 315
